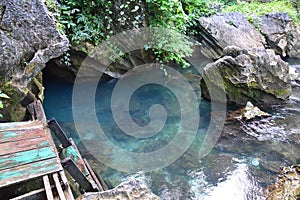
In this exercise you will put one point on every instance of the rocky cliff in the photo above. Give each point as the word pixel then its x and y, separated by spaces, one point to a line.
pixel 249 62
pixel 29 39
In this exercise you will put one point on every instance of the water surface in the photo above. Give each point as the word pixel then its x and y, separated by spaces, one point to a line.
pixel 244 161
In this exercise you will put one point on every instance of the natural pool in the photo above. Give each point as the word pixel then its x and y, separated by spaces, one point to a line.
pixel 244 161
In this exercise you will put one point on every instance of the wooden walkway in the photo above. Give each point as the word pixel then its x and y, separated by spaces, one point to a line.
pixel 27 152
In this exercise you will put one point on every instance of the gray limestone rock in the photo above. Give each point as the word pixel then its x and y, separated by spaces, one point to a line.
pixel 29 39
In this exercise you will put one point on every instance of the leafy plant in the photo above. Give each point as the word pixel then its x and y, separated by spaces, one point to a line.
pixel 85 21
pixel 256 9
pixel 2 96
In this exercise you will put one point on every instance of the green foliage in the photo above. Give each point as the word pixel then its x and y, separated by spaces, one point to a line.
pixel 256 9
pixel 82 20
pixel 180 16
pixel 296 5
pixel 2 96
pixel 85 21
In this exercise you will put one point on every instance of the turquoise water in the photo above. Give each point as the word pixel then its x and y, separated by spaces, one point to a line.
pixel 244 161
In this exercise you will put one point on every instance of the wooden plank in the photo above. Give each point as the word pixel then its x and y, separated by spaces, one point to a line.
pixel 68 192
pixel 31 195
pixel 58 187
pixel 58 131
pixel 25 157
pixel 20 145
pixel 47 187
pixel 80 178
pixel 7 136
pixel 93 175
pixel 29 171
pixel 12 126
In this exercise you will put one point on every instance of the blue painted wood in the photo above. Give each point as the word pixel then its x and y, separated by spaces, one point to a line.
pixel 29 171
pixel 26 157
pixel 7 148
pixel 7 136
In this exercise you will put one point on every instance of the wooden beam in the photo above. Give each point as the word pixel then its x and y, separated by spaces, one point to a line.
pixel 70 166
pixel 12 126
pixel 16 135
pixel 68 192
pixel 58 187
pixel 36 194
pixel 93 175
pixel 20 145
pixel 25 157
pixel 29 171
pixel 47 187
pixel 60 134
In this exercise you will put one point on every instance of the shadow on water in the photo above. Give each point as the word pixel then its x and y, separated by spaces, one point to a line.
pixel 244 161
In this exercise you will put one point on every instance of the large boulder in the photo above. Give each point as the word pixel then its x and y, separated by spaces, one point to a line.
pixel 277 29
pixel 133 189
pixel 227 29
pixel 256 75
pixel 29 39
pixel 294 43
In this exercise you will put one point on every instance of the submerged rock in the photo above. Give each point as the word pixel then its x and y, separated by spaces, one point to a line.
pixel 133 189
pixel 256 75
pixel 29 39
pixel 287 185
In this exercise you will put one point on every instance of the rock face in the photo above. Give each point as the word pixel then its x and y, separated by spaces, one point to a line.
pixel 277 29
pixel 287 185
pixel 29 39
pixel 294 44
pixel 227 29
pixel 133 189
pixel 256 75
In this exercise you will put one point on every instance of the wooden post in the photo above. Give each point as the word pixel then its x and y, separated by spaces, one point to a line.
pixel 36 111
pixel 60 134
pixel 70 166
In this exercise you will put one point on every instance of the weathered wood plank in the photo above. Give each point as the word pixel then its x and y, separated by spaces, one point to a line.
pixel 20 125
pixel 7 136
pixel 58 187
pixel 29 171
pixel 21 145
pixel 80 178
pixel 95 178
pixel 60 134
pixel 25 157
pixel 68 193
pixel 33 195
pixel 47 187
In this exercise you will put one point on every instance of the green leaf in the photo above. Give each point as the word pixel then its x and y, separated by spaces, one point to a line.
pixel 1 115
pixel 2 95
pixel 135 9
pixel 1 104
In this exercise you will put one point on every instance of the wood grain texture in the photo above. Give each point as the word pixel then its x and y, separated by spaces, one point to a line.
pixel 7 136
pixel 25 157
pixel 29 171
pixel 23 145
